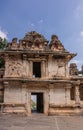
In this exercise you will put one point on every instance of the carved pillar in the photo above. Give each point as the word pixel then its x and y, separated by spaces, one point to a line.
pixel 77 93
pixel 43 69
pixel 51 93
pixel 6 65
pixel 27 68
pixel 46 69
pixel 6 84
pixel 24 65
pixel 66 69
pixel 30 68
pixel 46 102
pixel 23 93
pixel 29 102
pixel 67 93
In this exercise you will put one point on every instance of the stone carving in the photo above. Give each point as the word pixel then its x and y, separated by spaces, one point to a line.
pixel 55 44
pixel 36 41
pixel 32 40
pixel 73 69
pixel 13 44
pixel 14 67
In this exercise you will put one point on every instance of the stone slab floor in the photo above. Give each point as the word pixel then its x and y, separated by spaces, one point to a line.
pixel 40 122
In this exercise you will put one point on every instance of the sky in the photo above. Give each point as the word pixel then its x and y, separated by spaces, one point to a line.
pixel 61 17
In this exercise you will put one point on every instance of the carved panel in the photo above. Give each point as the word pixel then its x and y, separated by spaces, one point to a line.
pixel 14 67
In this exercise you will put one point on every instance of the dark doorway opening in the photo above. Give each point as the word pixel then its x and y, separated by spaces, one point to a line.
pixel 37 69
pixel 81 92
pixel 37 105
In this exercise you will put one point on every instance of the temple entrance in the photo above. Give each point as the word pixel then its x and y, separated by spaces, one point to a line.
pixel 37 104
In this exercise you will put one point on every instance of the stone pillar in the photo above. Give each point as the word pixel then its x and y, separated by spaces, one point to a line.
pixel 5 90
pixel 4 97
pixel 67 93
pixel 23 93
pixel 27 68
pixel 66 69
pixel 6 65
pixel 30 68
pixel 77 94
pixel 46 102
pixel 29 102
pixel 24 65
pixel 43 69
pixel 46 69
pixel 51 88
pixel 24 96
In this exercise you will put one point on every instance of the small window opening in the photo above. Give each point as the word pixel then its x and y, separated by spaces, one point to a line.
pixel 36 69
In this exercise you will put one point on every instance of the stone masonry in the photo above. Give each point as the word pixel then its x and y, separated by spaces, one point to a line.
pixel 35 66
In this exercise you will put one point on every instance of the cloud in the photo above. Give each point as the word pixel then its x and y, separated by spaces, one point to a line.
pixel 81 33
pixel 79 11
pixel 3 34
pixel 40 21
pixel 32 24
pixel 77 61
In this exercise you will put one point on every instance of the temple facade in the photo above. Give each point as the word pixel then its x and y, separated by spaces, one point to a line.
pixel 36 67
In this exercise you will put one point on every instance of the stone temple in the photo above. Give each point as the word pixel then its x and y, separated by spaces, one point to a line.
pixel 36 67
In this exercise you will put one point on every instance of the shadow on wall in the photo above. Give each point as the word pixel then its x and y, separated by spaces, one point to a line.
pixel 2 67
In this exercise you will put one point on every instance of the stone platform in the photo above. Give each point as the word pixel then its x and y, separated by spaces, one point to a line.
pixel 40 122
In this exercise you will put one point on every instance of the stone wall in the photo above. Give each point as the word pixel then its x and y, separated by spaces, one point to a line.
pixel 15 93
pixel 59 94
pixel 22 66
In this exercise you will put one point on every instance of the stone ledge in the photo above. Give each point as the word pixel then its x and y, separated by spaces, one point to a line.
pixel 12 104
pixel 65 106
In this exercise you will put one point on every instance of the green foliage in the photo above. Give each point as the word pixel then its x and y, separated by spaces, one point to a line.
pixel 3 43
pixel 33 105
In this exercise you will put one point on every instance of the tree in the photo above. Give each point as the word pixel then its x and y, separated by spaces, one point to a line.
pixel 3 43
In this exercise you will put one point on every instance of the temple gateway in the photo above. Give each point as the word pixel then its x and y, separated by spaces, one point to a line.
pixel 36 67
